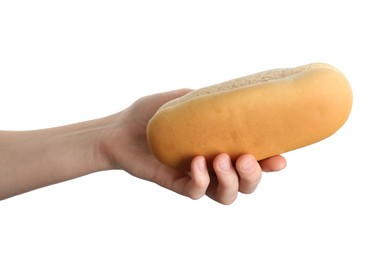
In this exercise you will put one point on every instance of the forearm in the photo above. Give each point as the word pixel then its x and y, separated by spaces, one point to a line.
pixel 34 159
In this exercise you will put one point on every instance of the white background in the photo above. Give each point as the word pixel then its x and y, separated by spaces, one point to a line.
pixel 67 61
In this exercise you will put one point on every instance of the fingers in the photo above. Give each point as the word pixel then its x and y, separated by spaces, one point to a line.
pixel 275 163
pixel 193 184
pixel 224 187
pixel 199 178
pixel 250 173
pixel 228 180
pixel 244 177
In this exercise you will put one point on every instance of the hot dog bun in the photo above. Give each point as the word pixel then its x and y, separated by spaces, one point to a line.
pixel 264 114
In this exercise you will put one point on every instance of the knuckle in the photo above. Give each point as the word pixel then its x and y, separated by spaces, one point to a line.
pixel 228 201
pixel 195 195
pixel 252 177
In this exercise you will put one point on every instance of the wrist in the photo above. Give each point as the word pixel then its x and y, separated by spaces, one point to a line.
pixel 97 136
pixel 107 139
pixel 76 149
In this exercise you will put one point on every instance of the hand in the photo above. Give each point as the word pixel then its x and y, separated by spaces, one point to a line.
pixel 127 148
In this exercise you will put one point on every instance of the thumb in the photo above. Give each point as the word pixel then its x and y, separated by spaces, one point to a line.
pixel 145 107
pixel 159 99
pixel 164 97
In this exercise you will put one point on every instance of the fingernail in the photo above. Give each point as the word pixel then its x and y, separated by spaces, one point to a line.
pixel 225 164
pixel 201 165
pixel 247 165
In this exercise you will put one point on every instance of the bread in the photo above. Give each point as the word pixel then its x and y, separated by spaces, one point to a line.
pixel 264 114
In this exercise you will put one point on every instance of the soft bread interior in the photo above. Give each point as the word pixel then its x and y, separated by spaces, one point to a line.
pixel 260 77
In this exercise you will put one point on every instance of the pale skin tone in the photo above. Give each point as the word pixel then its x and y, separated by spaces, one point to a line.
pixel 38 158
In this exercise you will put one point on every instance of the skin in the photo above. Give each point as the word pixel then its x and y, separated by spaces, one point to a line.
pixel 38 158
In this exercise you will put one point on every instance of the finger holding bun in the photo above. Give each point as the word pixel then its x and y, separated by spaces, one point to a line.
pixel 263 114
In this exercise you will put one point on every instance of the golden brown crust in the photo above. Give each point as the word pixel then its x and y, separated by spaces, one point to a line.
pixel 256 78
pixel 264 114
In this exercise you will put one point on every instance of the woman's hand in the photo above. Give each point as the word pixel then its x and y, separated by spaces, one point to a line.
pixel 125 146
